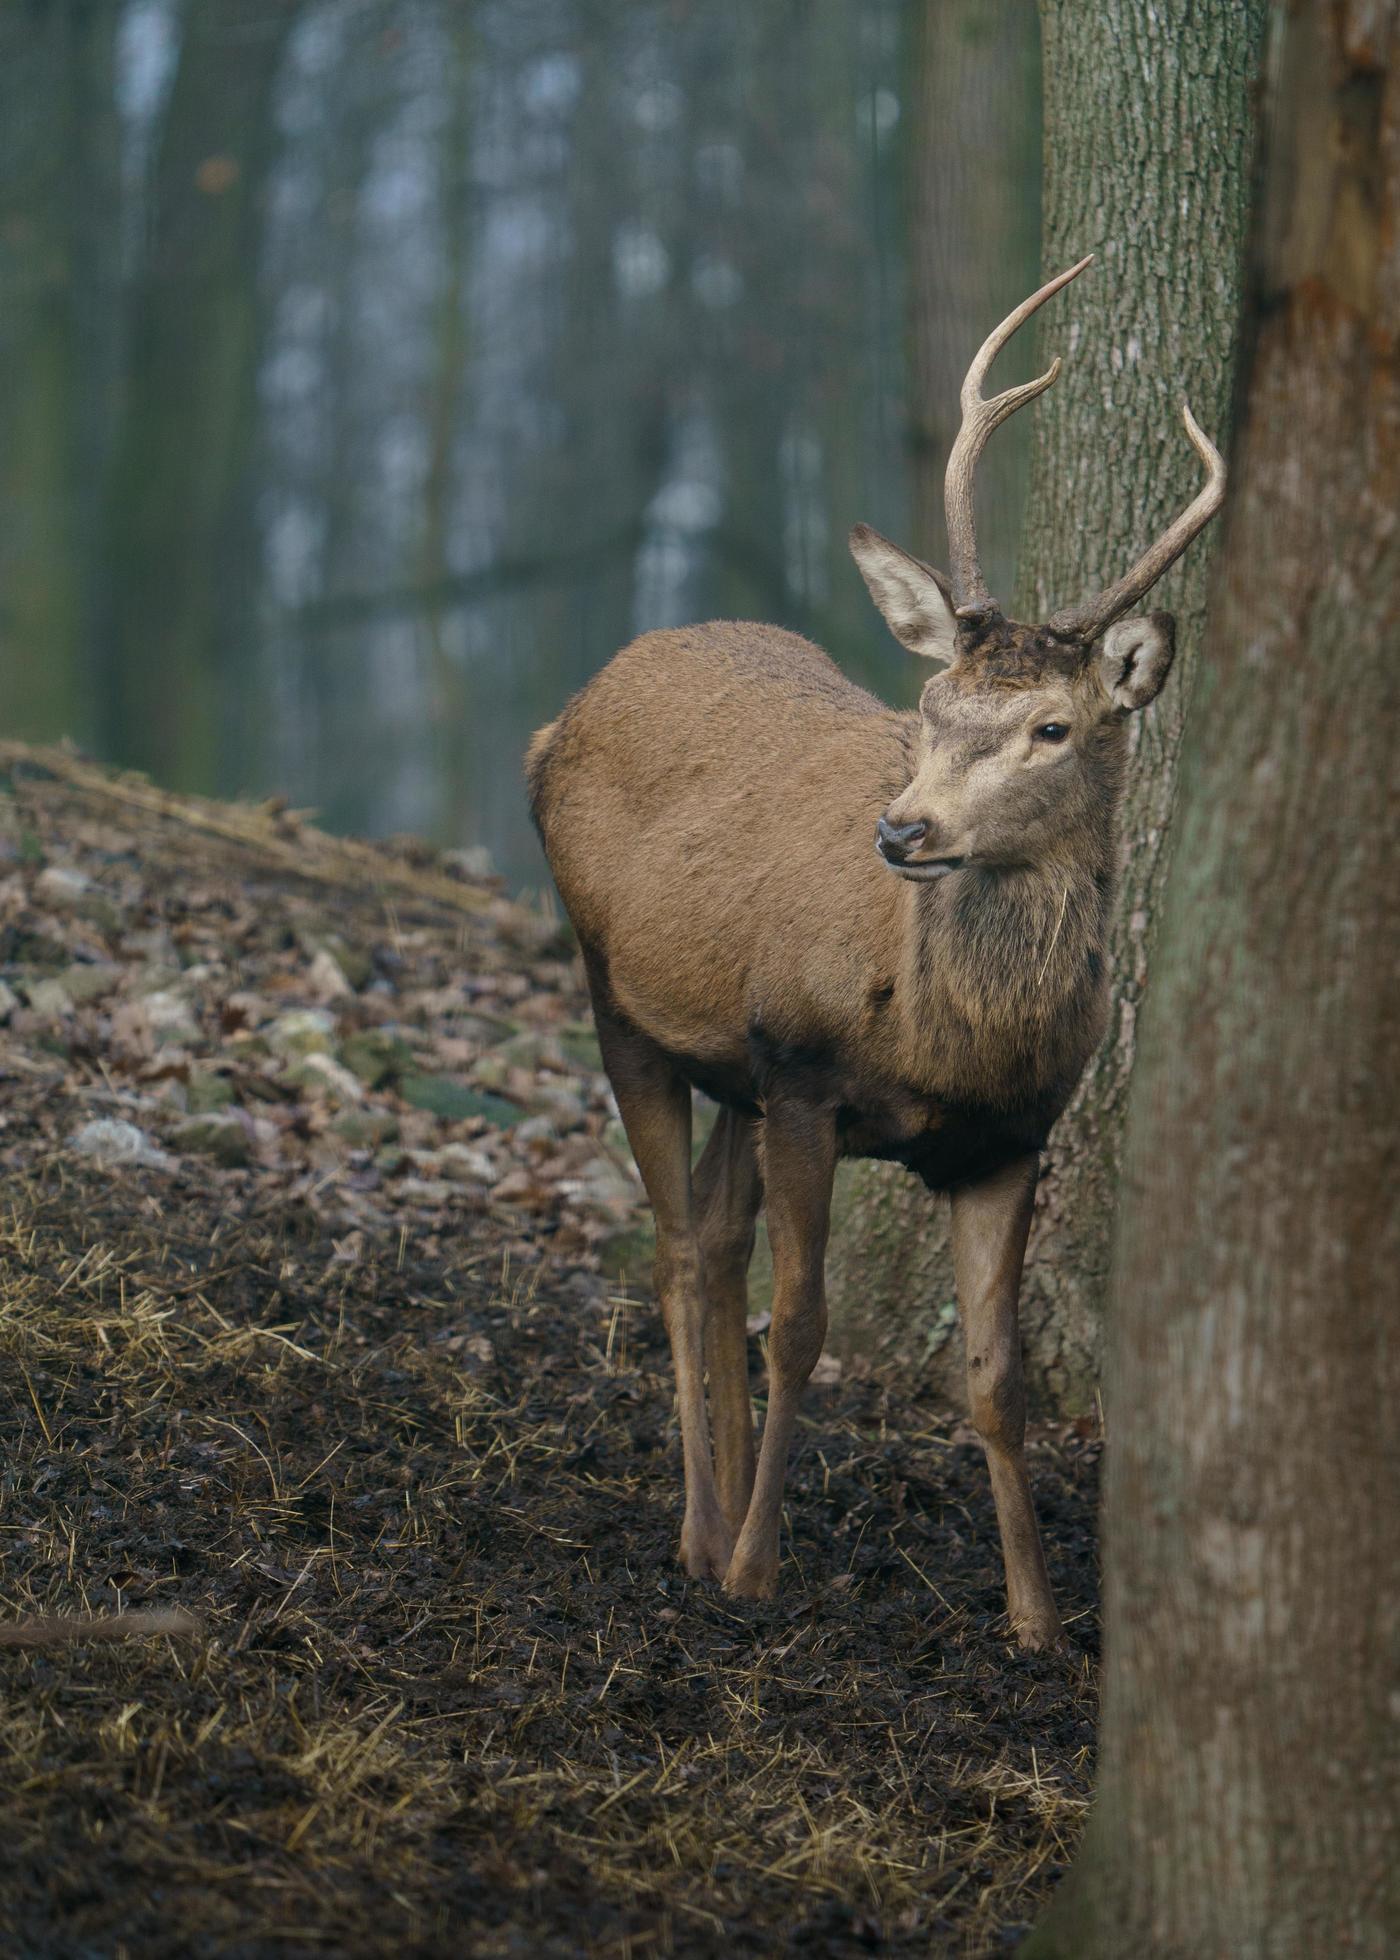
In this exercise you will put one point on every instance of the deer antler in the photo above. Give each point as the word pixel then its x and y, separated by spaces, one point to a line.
pixel 970 596
pixel 1086 622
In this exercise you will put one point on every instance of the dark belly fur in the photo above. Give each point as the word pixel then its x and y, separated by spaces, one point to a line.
pixel 941 1143
pixel 963 1146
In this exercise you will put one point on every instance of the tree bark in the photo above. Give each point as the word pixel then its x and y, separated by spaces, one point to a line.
pixel 1148 161
pixel 1250 1779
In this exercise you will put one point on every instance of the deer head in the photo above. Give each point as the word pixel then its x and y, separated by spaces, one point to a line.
pixel 1021 735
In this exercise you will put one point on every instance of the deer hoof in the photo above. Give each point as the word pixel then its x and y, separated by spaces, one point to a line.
pixel 706 1548
pixel 752 1579
pixel 1039 1633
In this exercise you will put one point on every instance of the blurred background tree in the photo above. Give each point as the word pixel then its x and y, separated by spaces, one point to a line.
pixel 373 369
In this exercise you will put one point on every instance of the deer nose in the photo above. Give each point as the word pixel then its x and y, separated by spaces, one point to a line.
pixel 896 840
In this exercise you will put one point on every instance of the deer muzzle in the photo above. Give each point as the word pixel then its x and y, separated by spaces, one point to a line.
pixel 896 844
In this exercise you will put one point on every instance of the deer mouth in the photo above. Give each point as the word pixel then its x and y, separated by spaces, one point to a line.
pixel 921 869
pixel 924 869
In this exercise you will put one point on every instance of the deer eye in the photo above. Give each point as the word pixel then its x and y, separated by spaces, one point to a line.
pixel 1052 731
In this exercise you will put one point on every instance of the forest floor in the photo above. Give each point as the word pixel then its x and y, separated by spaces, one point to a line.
pixel 318 1386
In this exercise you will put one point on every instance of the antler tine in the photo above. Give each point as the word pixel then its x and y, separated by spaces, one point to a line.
pixel 979 418
pixel 1086 622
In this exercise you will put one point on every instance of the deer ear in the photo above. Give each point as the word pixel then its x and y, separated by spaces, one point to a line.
pixel 1136 658
pixel 915 599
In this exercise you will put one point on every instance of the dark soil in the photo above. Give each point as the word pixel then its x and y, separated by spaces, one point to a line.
pixel 353 1388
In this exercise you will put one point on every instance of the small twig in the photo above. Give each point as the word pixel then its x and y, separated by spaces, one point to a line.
pixel 80 1629
pixel 283 836
pixel 1054 937
pixel 38 1406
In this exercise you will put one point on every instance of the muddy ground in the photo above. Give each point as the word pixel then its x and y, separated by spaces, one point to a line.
pixel 312 1331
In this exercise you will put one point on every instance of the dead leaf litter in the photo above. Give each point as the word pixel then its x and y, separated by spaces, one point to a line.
pixel 340 1486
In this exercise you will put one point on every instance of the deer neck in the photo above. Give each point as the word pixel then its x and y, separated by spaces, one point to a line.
pixel 1005 970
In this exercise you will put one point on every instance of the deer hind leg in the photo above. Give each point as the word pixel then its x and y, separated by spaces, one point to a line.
pixel 799 1160
pixel 991 1221
pixel 728 1192
pixel 654 1103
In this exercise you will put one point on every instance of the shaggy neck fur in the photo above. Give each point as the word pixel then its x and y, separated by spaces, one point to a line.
pixel 1004 969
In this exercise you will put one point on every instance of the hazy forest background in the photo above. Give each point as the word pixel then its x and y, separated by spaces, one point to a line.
pixel 373 369
pixel 370 370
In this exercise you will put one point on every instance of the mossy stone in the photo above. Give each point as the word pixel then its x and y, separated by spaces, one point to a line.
pixel 222 1137
pixel 366 1129
pixel 377 1056
pixel 208 1092
pixel 454 1102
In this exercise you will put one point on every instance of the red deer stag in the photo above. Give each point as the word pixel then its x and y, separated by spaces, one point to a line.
pixel 708 804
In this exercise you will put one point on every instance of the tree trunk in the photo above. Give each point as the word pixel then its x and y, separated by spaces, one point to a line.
pixel 974 245
pixel 449 678
pixel 179 616
pixel 60 258
pixel 1250 1778
pixel 1149 143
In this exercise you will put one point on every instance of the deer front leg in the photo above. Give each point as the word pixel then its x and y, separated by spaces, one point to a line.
pixel 655 1107
pixel 799 1161
pixel 727 1195
pixel 991 1221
